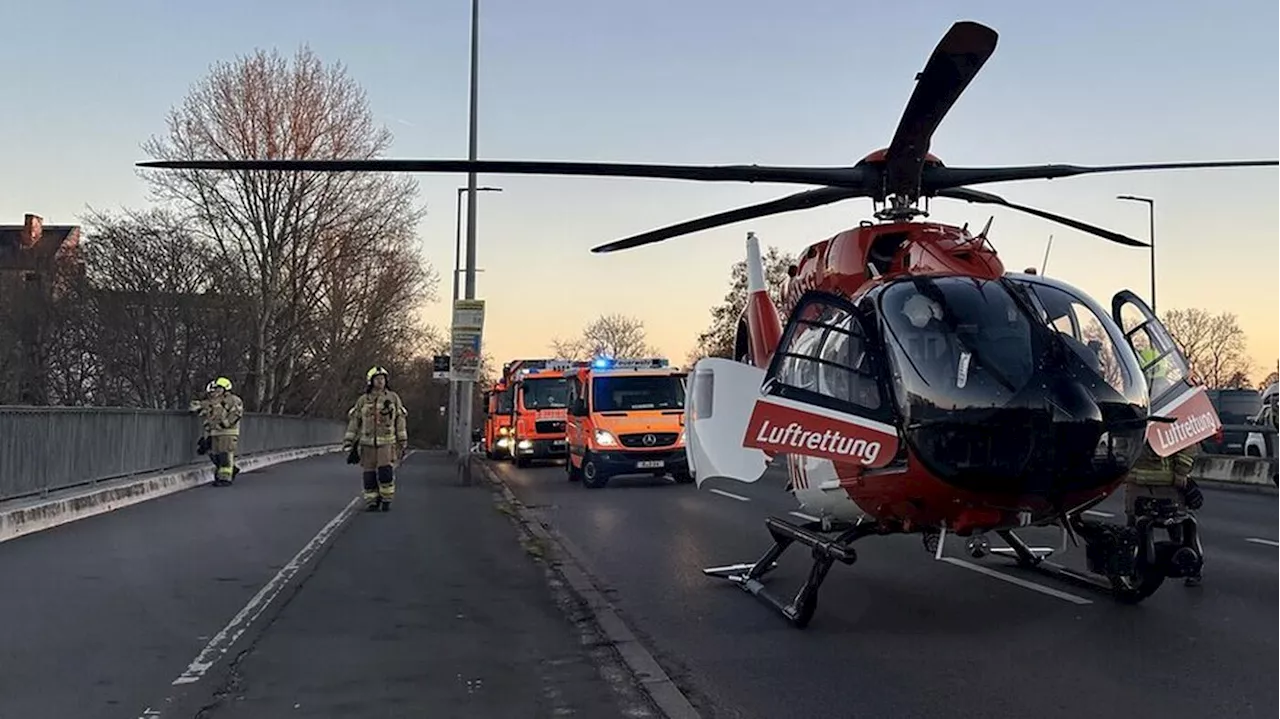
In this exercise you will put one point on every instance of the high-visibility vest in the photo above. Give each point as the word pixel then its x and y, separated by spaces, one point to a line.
pixel 1159 369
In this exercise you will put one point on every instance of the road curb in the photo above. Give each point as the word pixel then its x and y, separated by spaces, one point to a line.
pixel 650 675
pixel 36 515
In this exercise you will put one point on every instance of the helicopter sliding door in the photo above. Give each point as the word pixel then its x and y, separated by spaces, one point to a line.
pixel 825 394
pixel 1174 394
pixel 718 403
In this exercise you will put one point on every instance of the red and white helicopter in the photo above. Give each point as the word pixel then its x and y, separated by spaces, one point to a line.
pixel 916 386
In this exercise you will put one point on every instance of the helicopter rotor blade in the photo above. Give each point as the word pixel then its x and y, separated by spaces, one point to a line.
pixel 954 63
pixel 986 198
pixel 941 178
pixel 827 176
pixel 799 201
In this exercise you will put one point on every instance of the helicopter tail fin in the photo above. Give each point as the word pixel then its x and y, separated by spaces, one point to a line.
pixel 764 327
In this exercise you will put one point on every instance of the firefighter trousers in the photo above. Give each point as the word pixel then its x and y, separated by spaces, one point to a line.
pixel 378 466
pixel 222 452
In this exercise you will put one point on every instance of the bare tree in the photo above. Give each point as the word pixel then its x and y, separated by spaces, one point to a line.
pixel 1214 345
pixel 1268 380
pixel 166 317
pixel 284 233
pixel 717 340
pixel 612 335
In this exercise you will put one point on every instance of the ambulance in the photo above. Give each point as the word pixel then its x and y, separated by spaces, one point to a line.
pixel 497 421
pixel 626 416
pixel 540 401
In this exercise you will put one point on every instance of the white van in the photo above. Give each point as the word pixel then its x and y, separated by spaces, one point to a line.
pixel 1255 445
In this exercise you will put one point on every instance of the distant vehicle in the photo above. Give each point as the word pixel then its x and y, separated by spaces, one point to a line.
pixel 1257 444
pixel 1235 407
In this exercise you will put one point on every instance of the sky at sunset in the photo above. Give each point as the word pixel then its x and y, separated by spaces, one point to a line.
pixel 714 81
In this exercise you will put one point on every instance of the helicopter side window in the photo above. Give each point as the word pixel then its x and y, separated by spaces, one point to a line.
pixel 824 359
pixel 1162 364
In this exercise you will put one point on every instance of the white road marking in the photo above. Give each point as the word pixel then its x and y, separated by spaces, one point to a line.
pixel 223 640
pixel 1017 580
pixel 1097 513
pixel 731 495
pixel 806 517
pixel 1268 542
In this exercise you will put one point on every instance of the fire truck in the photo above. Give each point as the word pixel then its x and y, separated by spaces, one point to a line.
pixel 497 421
pixel 540 401
pixel 626 416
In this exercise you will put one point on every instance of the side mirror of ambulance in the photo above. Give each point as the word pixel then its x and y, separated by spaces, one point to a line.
pixel 579 408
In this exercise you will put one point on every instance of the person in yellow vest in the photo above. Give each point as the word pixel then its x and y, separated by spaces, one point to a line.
pixel 1166 477
pixel 220 414
pixel 377 438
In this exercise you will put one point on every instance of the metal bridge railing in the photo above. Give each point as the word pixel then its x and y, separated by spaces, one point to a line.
pixel 43 449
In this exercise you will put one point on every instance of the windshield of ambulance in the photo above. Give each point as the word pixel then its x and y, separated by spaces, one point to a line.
pixel 958 342
pixel 502 401
pixel 549 393
pixel 641 392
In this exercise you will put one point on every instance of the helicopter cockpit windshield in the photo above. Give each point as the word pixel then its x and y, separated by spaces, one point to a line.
pixel 957 342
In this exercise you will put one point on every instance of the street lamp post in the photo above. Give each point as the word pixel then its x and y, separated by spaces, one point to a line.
pixel 457 246
pixel 465 387
pixel 453 443
pixel 1151 214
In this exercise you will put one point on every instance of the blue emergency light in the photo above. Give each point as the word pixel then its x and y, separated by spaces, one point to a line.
pixel 643 363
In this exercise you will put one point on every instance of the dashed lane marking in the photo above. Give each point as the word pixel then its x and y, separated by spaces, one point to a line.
pixel 1016 580
pixel 731 495
pixel 805 517
pixel 1268 542
pixel 1098 513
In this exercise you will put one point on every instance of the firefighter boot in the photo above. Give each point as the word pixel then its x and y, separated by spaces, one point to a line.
pixel 221 471
pixel 371 499
pixel 386 486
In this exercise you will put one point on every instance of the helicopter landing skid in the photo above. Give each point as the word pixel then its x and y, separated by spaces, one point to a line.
pixel 1036 558
pixel 1105 548
pixel 800 608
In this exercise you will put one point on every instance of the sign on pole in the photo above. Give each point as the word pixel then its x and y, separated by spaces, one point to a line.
pixel 468 329
pixel 440 367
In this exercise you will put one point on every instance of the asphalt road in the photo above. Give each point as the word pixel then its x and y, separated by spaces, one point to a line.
pixel 901 635
pixel 273 598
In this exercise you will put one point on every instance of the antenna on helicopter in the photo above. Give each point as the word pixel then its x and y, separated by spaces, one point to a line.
pixel 986 228
pixel 1045 262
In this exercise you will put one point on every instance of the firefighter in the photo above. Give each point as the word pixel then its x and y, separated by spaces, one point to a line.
pixel 376 438
pixel 1169 478
pixel 1166 477
pixel 221 412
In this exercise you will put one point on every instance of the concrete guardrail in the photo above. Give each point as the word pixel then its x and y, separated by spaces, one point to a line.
pixel 46 449
pixel 61 464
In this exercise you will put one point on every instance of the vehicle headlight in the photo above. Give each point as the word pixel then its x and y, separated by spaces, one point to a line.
pixel 524 444
pixel 502 442
pixel 680 439
pixel 604 439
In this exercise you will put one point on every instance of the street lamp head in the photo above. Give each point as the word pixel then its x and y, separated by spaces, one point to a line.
pixel 1135 198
